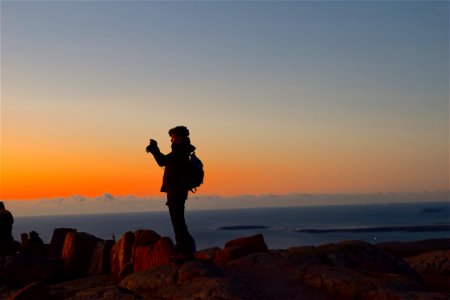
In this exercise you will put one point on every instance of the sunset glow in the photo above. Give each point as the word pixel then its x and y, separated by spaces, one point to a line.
pixel 328 97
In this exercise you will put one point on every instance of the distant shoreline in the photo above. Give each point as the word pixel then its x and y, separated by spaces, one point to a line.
pixel 242 227
pixel 424 228
pixel 421 228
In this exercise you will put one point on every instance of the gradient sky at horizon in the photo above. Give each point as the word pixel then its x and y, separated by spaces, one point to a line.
pixel 280 97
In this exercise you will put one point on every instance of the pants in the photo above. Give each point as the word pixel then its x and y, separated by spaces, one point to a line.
pixel 185 244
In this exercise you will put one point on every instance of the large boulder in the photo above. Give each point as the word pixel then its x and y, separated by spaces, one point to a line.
pixel 273 276
pixel 192 280
pixel 100 258
pixel 145 237
pixel 240 247
pixel 434 267
pixel 194 269
pixel 77 252
pixel 159 253
pixel 121 254
pixel 364 256
pixel 357 270
pixel 347 283
pixel 255 243
pixel 356 255
pixel 437 262
pixel 58 239
pixel 151 279
pixel 207 254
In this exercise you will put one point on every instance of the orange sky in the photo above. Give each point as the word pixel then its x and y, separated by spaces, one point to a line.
pixel 315 98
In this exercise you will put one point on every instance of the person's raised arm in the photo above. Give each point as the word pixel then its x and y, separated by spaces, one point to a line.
pixel 154 149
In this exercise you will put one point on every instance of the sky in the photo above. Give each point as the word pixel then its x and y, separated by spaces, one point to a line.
pixel 280 97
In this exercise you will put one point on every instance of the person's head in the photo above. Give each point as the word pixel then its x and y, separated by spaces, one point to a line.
pixel 178 134
pixel 2 206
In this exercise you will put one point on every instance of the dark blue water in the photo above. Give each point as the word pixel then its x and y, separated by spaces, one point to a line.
pixel 281 223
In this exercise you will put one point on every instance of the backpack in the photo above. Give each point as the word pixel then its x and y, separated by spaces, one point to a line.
pixel 195 173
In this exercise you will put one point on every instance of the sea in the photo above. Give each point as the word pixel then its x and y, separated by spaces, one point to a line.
pixel 282 227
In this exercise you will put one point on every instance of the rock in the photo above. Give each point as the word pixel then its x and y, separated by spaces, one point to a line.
pixel 151 279
pixel 159 253
pixel 126 270
pixel 100 258
pixel 437 283
pixel 77 252
pixel 240 247
pixel 244 270
pixel 32 244
pixel 205 288
pixel 272 275
pixel 437 262
pixel 193 269
pixel 434 267
pixel 356 255
pixel 395 295
pixel 196 282
pixel 409 249
pixel 145 237
pixel 9 247
pixel 20 270
pixel 351 269
pixel 303 256
pixel 107 291
pixel 35 249
pixel 117 293
pixel 254 243
pixel 207 254
pixel 93 287
pixel 348 283
pixel 57 242
pixel 32 291
pixel 121 253
pixel 226 255
pixel 364 256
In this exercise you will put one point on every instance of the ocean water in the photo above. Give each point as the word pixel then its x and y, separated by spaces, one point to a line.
pixel 281 224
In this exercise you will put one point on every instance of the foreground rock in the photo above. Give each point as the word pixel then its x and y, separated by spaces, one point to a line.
pixel 19 270
pixel 430 258
pixel 140 265
pixel 410 249
pixel 434 268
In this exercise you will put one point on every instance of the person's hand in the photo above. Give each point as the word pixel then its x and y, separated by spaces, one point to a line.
pixel 153 145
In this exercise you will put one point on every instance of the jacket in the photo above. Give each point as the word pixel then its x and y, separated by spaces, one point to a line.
pixel 176 166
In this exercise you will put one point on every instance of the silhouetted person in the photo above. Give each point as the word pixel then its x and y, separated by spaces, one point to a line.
pixel 32 244
pixel 24 240
pixel 35 239
pixel 6 222
pixel 175 184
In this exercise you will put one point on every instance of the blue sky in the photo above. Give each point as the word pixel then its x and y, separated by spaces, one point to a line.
pixel 288 94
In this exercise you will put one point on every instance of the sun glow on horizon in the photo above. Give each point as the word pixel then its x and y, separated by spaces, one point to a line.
pixel 296 101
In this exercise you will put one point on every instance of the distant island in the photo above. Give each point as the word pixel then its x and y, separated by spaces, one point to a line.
pixel 243 227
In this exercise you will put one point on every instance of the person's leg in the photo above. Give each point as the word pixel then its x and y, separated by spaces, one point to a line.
pixel 176 212
pixel 184 241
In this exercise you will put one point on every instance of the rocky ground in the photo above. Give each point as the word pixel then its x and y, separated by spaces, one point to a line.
pixel 140 265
